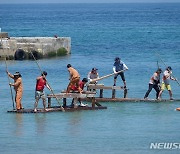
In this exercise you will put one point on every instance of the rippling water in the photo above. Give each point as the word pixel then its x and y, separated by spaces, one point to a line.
pixel 99 32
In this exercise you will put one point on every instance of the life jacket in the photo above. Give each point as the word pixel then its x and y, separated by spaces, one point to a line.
pixel 40 84
pixel 81 85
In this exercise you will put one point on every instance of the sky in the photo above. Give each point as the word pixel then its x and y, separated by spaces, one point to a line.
pixel 88 1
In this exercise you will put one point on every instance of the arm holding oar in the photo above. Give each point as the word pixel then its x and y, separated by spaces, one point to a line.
pixel 174 78
pixel 106 76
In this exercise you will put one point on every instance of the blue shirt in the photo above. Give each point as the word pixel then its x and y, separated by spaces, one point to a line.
pixel 119 66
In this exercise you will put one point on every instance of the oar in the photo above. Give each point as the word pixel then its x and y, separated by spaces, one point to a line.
pixel 47 82
pixel 106 76
pixel 12 97
pixel 166 67
pixel 9 84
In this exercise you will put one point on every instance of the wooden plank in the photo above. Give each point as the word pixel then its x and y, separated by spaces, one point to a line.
pixel 105 87
pixel 70 95
pixel 129 100
pixel 83 92
pixel 56 109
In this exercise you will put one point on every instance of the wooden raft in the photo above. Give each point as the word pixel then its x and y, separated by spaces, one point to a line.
pixel 101 87
pixel 62 95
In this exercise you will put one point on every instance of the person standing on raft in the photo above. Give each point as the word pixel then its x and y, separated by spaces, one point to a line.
pixel 166 82
pixel 18 87
pixel 39 93
pixel 119 66
pixel 74 78
pixel 154 83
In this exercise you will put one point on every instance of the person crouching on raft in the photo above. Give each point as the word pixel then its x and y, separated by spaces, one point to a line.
pixel 18 87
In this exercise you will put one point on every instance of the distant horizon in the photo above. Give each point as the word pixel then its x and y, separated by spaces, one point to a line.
pixel 89 2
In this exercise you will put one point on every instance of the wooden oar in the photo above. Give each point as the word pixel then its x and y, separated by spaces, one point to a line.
pixel 47 82
pixel 12 97
pixel 106 76
pixel 166 67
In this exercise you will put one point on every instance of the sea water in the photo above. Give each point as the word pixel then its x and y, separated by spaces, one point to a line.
pixel 143 35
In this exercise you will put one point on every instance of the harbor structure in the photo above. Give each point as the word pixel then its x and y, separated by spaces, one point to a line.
pixel 21 48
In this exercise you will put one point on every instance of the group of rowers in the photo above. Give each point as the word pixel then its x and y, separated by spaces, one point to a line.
pixel 75 84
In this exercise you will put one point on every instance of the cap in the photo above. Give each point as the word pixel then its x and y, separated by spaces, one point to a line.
pixel 44 73
pixel 94 69
pixel 159 70
pixel 84 80
pixel 17 74
pixel 117 58
pixel 169 68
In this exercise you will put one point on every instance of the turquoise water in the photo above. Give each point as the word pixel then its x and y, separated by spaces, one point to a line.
pixel 99 33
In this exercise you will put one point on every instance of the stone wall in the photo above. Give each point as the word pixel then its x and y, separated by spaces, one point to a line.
pixel 10 47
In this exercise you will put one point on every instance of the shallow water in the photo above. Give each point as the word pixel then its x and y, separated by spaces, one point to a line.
pixel 99 33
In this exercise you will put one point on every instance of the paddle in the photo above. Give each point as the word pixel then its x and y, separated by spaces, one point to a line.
pixel 47 81
pixel 12 97
pixel 106 76
pixel 166 67
pixel 9 84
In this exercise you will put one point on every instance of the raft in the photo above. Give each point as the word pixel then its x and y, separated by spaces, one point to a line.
pixel 98 99
pixel 73 95
pixel 57 109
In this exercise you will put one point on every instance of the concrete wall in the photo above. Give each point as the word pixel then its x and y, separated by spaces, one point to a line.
pixel 43 45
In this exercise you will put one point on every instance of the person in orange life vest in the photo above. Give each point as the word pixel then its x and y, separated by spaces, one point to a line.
pixel 74 78
pixel 39 93
pixel 18 87
pixel 74 88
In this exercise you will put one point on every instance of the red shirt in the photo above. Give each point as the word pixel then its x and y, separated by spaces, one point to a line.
pixel 81 85
pixel 40 84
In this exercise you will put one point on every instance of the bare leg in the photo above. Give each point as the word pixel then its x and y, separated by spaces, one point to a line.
pixel 160 93
pixel 36 104
pixel 44 103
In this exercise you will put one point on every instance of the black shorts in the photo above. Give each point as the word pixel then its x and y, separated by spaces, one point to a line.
pixel 121 74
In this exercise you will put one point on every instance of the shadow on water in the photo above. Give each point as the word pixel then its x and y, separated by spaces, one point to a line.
pixel 19 125
pixel 40 123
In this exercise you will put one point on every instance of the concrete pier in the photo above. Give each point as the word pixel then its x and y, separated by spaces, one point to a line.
pixel 20 48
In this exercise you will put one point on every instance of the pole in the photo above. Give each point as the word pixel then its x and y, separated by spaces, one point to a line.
pixel 47 81
pixel 106 76
pixel 10 85
pixel 12 97
pixel 166 67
